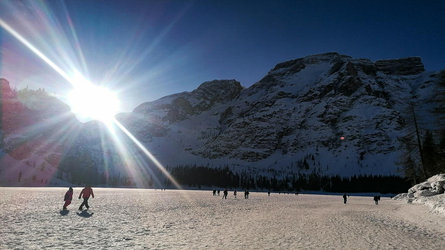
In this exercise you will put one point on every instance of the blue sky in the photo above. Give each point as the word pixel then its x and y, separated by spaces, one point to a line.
pixel 149 49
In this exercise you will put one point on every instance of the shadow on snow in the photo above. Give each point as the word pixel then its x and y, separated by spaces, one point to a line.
pixel 64 212
pixel 85 214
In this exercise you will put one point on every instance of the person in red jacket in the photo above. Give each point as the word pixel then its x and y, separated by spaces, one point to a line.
pixel 68 197
pixel 86 192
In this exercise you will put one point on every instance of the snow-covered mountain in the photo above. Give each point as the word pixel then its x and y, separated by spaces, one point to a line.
pixel 294 118
pixel 328 113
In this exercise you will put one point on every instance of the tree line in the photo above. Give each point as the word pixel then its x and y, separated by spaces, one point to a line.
pixel 199 176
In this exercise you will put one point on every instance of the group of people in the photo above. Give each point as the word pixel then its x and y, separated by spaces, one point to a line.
pixel 85 194
pixel 226 192
pixel 88 191
pixel 376 199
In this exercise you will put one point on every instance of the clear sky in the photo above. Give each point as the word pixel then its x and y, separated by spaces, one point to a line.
pixel 149 49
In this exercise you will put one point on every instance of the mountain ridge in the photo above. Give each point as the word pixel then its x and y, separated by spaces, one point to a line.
pixel 289 122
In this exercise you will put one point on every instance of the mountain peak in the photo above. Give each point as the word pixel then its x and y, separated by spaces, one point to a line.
pixel 218 90
pixel 300 63
pixel 399 66
pixel 3 81
pixel 6 91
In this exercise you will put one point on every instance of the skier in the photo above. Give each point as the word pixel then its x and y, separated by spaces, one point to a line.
pixel 234 193
pixel 87 191
pixel 225 194
pixel 246 194
pixel 268 193
pixel 218 192
pixel 214 192
pixel 345 198
pixel 68 197
pixel 376 199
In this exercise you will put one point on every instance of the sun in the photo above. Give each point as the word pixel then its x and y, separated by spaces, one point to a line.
pixel 92 102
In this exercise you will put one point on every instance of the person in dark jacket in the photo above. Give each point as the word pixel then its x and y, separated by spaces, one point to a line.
pixel 68 198
pixel 376 199
pixel 86 192
pixel 225 194
pixel 345 198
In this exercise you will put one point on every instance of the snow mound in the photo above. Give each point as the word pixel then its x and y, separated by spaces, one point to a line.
pixel 429 193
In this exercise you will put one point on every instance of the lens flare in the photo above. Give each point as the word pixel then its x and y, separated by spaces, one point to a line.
pixel 93 101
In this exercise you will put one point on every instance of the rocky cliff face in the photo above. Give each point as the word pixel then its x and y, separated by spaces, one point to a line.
pixel 405 66
pixel 14 114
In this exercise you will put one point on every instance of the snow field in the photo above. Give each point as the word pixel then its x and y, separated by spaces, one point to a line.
pixel 137 218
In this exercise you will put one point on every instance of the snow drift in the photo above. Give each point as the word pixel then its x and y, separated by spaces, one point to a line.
pixel 430 193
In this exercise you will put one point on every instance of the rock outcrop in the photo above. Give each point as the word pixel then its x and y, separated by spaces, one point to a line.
pixel 430 193
pixel 180 106
pixel 404 66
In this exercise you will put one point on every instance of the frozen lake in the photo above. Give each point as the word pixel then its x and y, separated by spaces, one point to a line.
pixel 134 219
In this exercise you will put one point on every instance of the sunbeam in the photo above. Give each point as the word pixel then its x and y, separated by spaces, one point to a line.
pixel 147 153
pixel 37 52
pixel 80 82
pixel 130 161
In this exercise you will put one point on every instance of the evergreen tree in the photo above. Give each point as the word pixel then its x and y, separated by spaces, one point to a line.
pixel 441 153
pixel 412 146
pixel 429 155
pixel 410 170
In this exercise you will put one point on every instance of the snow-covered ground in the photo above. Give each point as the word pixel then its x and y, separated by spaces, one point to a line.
pixel 135 219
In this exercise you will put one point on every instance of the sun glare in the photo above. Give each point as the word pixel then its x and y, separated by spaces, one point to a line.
pixel 89 101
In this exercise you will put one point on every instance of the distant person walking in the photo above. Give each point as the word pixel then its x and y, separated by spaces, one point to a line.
pixel 214 192
pixel 86 192
pixel 376 199
pixel 225 194
pixel 234 193
pixel 345 198
pixel 218 192
pixel 68 198
pixel 246 194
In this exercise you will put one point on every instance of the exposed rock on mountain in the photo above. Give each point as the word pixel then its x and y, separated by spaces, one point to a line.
pixel 405 66
pixel 180 106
